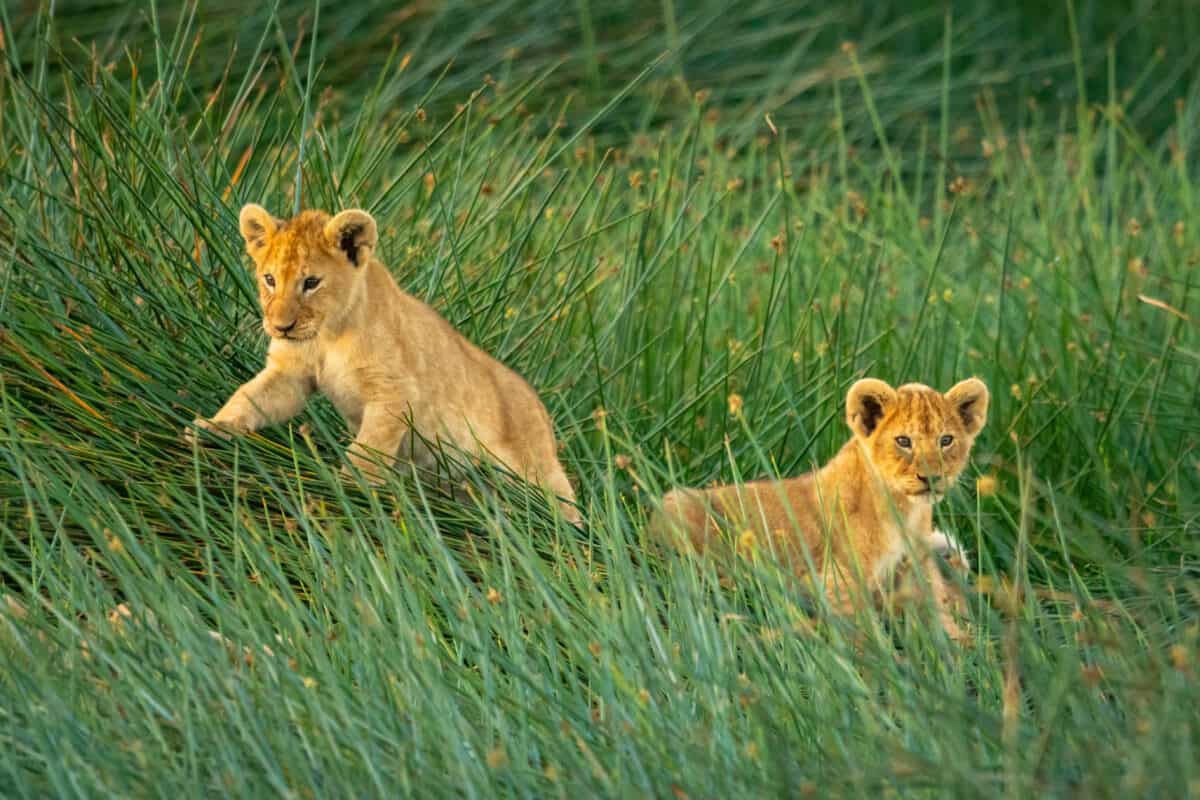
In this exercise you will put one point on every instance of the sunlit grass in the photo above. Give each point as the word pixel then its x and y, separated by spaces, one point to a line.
pixel 762 213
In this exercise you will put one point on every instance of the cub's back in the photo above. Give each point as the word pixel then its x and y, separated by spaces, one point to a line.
pixel 783 515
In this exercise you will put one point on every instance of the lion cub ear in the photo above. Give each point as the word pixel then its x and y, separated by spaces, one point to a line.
pixel 353 234
pixel 866 404
pixel 258 226
pixel 969 399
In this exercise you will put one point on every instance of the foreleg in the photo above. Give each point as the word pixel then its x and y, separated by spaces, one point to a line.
pixel 379 437
pixel 270 397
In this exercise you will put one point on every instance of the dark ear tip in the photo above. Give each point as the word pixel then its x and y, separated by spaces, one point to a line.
pixel 866 404
pixel 353 233
pixel 346 243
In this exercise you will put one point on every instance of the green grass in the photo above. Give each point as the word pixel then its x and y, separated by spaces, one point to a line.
pixel 1006 193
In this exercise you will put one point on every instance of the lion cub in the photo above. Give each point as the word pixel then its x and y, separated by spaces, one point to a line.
pixel 854 519
pixel 340 325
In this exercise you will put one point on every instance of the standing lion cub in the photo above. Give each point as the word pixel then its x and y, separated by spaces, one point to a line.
pixel 341 326
pixel 853 520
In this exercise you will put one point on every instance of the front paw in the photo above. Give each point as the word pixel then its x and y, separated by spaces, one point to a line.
pixel 191 435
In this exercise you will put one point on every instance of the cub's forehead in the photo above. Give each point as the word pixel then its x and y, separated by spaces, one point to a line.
pixel 296 241
pixel 922 409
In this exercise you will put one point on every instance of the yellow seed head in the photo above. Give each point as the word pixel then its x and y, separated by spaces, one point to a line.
pixel 747 541
pixel 497 758
pixel 1179 657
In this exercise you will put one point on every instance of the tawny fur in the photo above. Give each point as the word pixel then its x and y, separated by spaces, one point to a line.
pixel 340 325
pixel 853 520
pixel 904 587
pixel 951 549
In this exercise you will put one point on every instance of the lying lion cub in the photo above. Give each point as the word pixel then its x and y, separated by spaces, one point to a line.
pixel 340 325
pixel 853 520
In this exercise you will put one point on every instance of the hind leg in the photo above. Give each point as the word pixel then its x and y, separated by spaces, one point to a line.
pixel 553 478
pixel 556 481
pixel 543 472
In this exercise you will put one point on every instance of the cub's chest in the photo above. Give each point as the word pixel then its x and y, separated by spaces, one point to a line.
pixel 341 382
pixel 897 536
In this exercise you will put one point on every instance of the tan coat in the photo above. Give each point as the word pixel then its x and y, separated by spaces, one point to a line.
pixel 853 520
pixel 341 326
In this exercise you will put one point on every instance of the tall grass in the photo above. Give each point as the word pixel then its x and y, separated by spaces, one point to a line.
pixel 642 232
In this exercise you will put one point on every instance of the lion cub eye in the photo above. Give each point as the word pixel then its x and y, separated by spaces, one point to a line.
pixel 269 280
pixel 311 283
pixel 904 442
pixel 947 441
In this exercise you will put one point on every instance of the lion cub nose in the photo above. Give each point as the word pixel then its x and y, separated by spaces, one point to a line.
pixel 285 328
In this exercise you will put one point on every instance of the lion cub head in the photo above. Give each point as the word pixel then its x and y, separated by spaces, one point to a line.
pixel 308 267
pixel 917 438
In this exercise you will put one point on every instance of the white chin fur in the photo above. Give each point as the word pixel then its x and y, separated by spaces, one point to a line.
pixel 949 547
